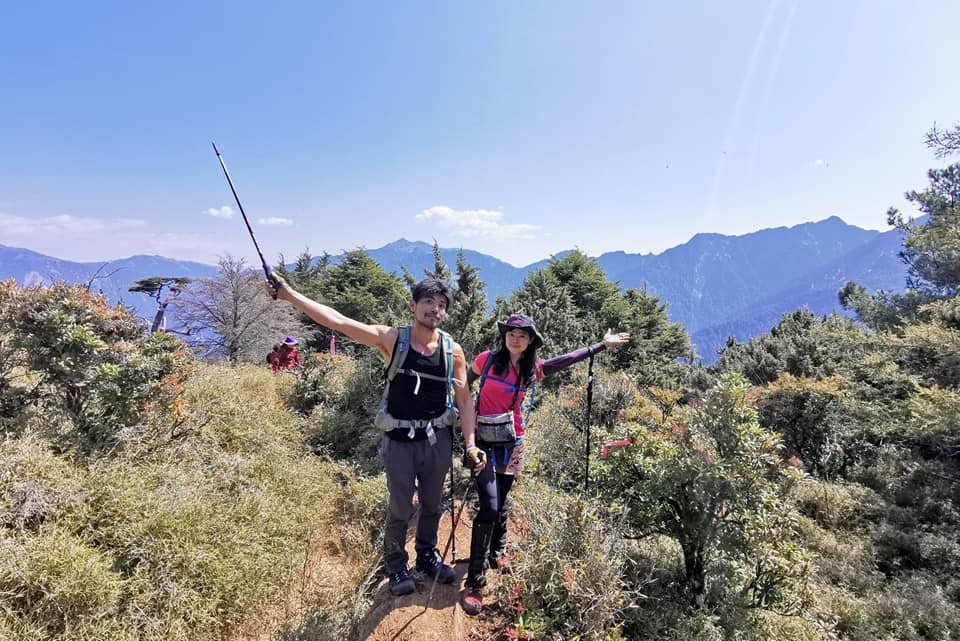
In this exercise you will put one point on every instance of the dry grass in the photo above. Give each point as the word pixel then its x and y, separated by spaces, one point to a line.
pixel 191 529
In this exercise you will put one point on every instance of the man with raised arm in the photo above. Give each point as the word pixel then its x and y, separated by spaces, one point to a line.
pixel 426 374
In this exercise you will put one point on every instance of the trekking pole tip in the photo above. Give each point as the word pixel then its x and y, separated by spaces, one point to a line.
pixel 215 150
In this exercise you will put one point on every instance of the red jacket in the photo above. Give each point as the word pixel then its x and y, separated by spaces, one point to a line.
pixel 286 357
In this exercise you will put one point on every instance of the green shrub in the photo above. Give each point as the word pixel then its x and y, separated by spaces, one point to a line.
pixel 340 396
pixel 553 444
pixel 344 435
pixel 844 559
pixel 325 381
pixel 837 506
pixel 713 479
pixel 933 353
pixel 566 580
pixel 35 485
pixel 918 610
pixel 814 418
pixel 91 363
pixel 933 426
pixel 770 626
pixel 354 517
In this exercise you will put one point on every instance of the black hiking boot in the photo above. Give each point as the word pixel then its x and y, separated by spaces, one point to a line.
pixel 401 583
pixel 433 567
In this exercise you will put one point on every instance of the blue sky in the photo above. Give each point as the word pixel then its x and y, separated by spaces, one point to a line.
pixel 515 128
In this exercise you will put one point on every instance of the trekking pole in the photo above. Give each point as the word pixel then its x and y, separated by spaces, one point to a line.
pixel 452 498
pixel 266 268
pixel 586 476
pixel 446 548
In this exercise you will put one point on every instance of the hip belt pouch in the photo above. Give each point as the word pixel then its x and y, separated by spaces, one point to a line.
pixel 496 428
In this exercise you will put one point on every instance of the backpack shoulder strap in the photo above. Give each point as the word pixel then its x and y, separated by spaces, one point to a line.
pixel 446 344
pixel 486 370
pixel 400 350
pixel 516 390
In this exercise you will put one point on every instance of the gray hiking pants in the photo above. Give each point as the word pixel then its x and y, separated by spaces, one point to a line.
pixel 413 466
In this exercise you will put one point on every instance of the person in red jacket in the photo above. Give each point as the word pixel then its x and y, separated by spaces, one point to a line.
pixel 272 355
pixel 287 357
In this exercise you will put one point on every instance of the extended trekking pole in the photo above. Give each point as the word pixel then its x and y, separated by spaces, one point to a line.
pixel 586 476
pixel 452 519
pixel 266 268
pixel 453 530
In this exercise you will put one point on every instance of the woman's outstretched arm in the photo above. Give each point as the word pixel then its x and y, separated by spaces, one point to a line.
pixel 610 340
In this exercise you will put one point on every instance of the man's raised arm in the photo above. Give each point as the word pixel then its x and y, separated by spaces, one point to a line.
pixel 381 337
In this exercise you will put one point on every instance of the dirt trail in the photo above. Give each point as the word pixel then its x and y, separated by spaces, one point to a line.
pixel 411 618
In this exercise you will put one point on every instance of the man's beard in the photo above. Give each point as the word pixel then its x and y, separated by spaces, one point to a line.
pixel 432 322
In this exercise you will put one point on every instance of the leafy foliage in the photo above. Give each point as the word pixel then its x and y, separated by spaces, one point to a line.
pixel 881 311
pixel 567 580
pixel 931 249
pixel 574 305
pixel 357 286
pixel 552 308
pixel 338 397
pixel 467 322
pixel 815 418
pixel 800 345
pixel 713 480
pixel 187 530
pixel 69 354
pixel 655 345
pixel 466 318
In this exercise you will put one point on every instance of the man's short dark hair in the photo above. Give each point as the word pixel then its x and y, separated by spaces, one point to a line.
pixel 432 287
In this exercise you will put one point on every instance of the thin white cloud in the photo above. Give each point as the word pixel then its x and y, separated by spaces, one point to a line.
pixel 11 225
pixel 820 162
pixel 219 212
pixel 276 221
pixel 88 238
pixel 477 223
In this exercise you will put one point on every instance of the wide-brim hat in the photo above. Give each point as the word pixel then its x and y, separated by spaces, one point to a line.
pixel 290 340
pixel 521 321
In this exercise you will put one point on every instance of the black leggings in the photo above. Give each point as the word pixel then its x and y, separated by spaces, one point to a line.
pixel 490 524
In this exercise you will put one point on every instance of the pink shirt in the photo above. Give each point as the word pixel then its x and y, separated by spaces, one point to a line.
pixel 497 393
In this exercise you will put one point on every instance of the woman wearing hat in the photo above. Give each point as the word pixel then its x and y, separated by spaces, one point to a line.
pixel 287 357
pixel 505 374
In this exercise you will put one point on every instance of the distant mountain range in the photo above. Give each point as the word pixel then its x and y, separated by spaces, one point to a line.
pixel 111 278
pixel 716 286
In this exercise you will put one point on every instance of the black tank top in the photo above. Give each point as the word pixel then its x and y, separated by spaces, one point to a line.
pixel 431 399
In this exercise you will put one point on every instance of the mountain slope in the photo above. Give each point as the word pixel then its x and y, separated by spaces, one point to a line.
pixel 499 277
pixel 111 278
pixel 713 277
pixel 875 265
pixel 716 286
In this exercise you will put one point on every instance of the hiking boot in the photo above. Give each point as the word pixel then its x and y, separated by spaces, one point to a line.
pixel 433 567
pixel 401 583
pixel 471 600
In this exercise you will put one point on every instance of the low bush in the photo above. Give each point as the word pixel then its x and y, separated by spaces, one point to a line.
pixel 80 369
pixel 567 578
pixel 836 505
pixel 554 444
pixel 325 381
